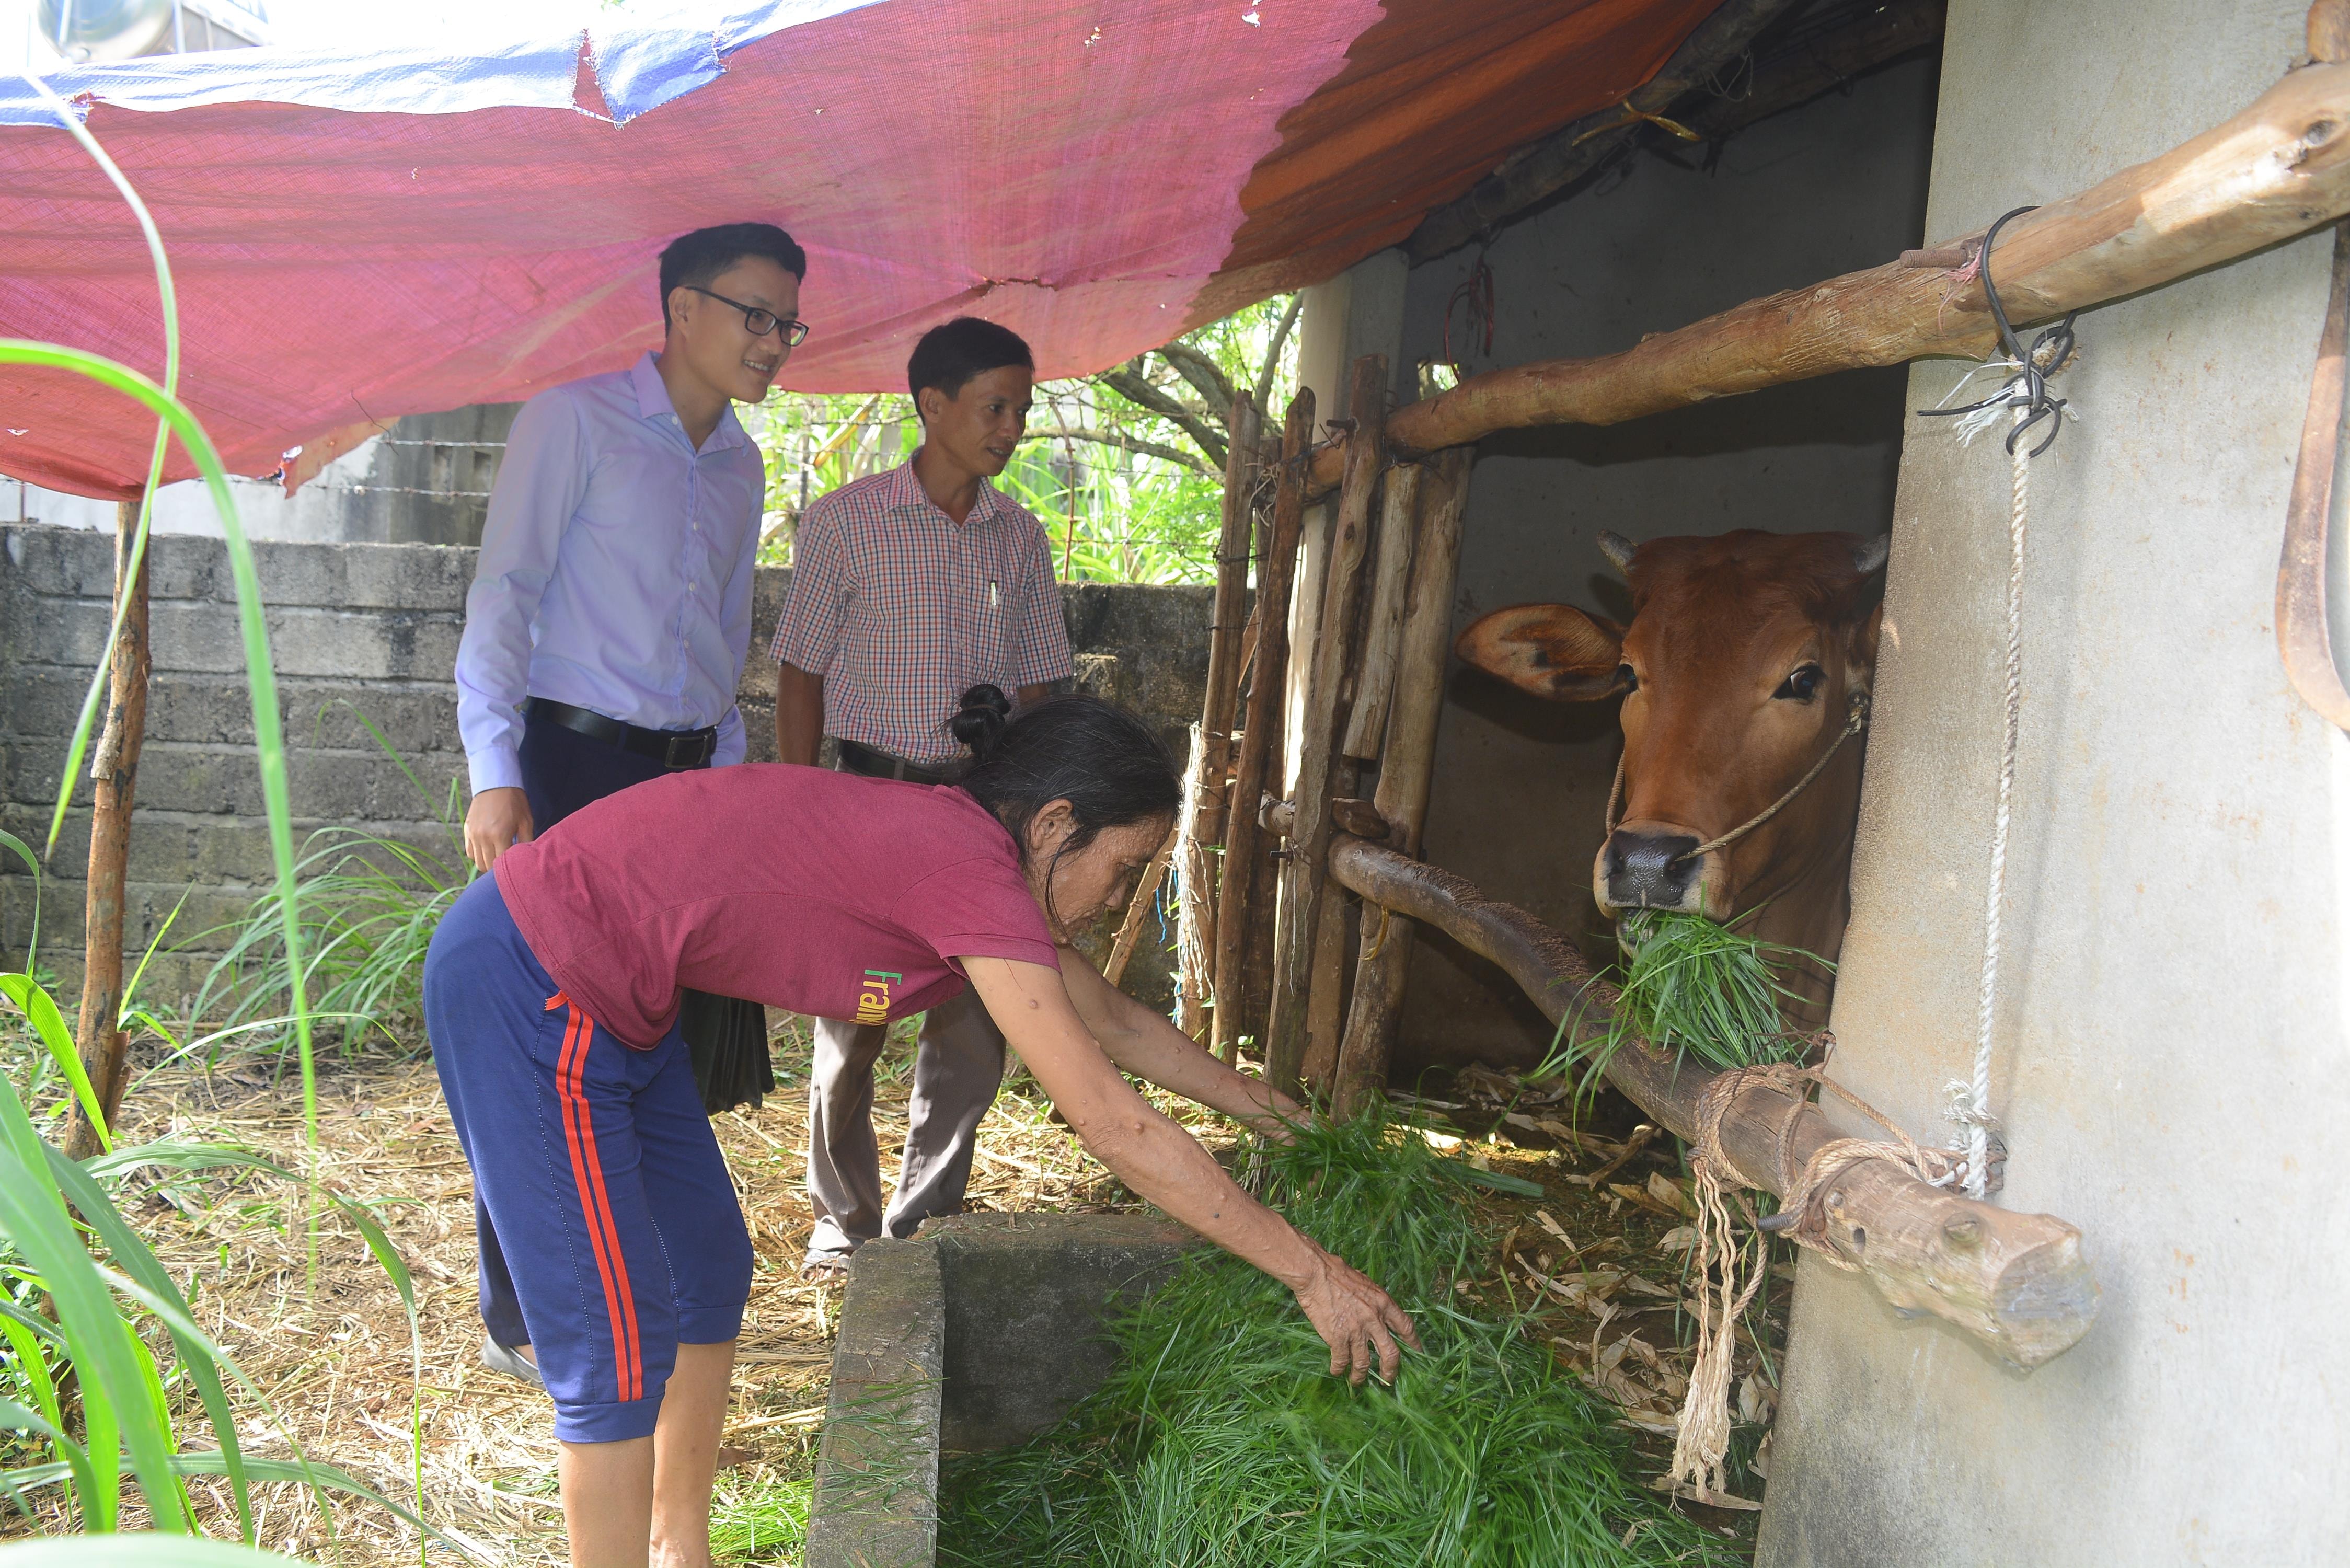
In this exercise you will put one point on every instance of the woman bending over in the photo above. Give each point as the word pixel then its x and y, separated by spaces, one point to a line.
pixel 551 996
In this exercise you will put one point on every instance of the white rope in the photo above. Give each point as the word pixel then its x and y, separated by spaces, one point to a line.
pixel 1971 1099
pixel 1193 878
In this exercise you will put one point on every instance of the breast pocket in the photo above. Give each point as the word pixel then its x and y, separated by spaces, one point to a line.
pixel 992 636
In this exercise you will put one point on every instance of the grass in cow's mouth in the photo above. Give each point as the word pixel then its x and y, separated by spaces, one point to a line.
pixel 1223 1439
pixel 1695 989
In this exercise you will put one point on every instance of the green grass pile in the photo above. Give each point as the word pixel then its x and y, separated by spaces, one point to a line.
pixel 1695 989
pixel 1222 1440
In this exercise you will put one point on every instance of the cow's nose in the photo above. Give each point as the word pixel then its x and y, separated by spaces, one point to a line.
pixel 1647 870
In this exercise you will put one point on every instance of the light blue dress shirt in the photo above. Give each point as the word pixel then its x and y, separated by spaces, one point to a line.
pixel 615 572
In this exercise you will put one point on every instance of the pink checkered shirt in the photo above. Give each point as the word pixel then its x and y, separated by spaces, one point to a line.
pixel 900 610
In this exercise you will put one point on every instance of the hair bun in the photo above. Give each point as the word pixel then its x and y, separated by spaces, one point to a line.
pixel 979 722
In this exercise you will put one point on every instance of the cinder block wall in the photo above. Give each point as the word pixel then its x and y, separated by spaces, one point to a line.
pixel 358 632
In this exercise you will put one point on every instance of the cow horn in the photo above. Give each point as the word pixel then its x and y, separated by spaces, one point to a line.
pixel 1617 548
pixel 1870 557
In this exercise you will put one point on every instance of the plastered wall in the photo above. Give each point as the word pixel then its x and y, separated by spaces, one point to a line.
pixel 2172 1051
pixel 1521 784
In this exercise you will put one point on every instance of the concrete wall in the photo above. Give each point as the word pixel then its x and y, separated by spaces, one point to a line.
pixel 356 629
pixel 426 481
pixel 1521 784
pixel 2173 1023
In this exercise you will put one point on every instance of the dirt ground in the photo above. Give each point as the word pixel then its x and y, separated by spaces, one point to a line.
pixel 1597 1263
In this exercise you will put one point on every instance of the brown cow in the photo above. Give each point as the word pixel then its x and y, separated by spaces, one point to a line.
pixel 1747 657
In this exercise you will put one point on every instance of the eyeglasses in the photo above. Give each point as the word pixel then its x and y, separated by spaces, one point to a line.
pixel 762 322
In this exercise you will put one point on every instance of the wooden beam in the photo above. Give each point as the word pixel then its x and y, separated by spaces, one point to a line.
pixel 1300 942
pixel 1560 159
pixel 1238 907
pixel 114 767
pixel 1407 774
pixel 2015 1281
pixel 2277 169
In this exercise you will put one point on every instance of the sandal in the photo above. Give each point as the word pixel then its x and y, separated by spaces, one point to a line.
pixel 512 1362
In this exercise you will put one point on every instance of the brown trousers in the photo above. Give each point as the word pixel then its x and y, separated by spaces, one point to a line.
pixel 958 1067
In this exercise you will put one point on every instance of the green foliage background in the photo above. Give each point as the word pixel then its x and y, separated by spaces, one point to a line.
pixel 1124 468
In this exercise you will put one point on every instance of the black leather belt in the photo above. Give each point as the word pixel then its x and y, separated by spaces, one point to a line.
pixel 676 750
pixel 873 765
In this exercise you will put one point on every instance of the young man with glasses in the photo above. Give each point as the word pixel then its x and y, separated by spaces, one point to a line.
pixel 908 588
pixel 610 611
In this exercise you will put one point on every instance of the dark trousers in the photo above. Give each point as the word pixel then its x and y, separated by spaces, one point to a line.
pixel 563 770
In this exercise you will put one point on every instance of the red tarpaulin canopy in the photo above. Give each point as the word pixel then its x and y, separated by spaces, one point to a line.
pixel 356 238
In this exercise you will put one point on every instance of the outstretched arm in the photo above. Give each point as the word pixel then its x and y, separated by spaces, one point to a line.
pixel 1148 1046
pixel 1164 1164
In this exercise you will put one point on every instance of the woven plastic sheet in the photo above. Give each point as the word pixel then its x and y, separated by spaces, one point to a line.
pixel 359 237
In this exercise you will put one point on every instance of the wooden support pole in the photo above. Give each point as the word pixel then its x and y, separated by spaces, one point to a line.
pixel 1238 905
pixel 1367 721
pixel 2279 168
pixel 1306 942
pixel 1407 775
pixel 2015 1281
pixel 1212 790
pixel 114 768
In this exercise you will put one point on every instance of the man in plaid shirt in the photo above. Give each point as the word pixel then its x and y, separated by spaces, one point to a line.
pixel 907 589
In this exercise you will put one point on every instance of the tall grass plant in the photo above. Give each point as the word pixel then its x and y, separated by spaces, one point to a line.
pixel 91 1307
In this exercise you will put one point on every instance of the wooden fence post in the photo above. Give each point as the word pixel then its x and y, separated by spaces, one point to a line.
pixel 1407 774
pixel 115 769
pixel 1240 906
pixel 1301 944
pixel 1212 805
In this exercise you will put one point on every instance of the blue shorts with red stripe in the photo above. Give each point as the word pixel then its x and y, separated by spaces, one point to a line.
pixel 596 1171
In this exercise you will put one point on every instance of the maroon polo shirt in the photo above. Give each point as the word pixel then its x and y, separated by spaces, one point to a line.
pixel 815 891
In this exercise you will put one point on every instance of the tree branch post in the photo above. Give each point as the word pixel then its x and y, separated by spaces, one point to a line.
pixel 1308 940
pixel 1407 775
pixel 1241 909
pixel 1218 710
pixel 114 769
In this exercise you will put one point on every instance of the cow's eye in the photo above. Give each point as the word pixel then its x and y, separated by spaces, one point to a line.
pixel 1626 680
pixel 1802 686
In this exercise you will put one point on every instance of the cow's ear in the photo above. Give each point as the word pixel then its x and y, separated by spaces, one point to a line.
pixel 1552 650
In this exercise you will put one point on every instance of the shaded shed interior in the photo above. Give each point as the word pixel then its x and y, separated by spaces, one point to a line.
pixel 1648 244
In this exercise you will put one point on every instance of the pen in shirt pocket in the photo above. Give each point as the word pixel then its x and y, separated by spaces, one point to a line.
pixel 993 602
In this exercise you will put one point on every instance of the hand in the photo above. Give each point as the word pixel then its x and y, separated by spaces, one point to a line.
pixel 498 820
pixel 1283 1120
pixel 1356 1317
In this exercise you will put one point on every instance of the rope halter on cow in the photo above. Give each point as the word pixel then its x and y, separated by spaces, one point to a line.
pixel 1855 721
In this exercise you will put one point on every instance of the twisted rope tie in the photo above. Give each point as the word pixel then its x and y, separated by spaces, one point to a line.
pixel 1701 1436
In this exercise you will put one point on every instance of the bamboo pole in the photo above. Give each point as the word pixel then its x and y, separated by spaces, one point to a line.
pixel 114 768
pixel 2015 1281
pixel 1301 944
pixel 1240 905
pixel 2279 168
pixel 1407 774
